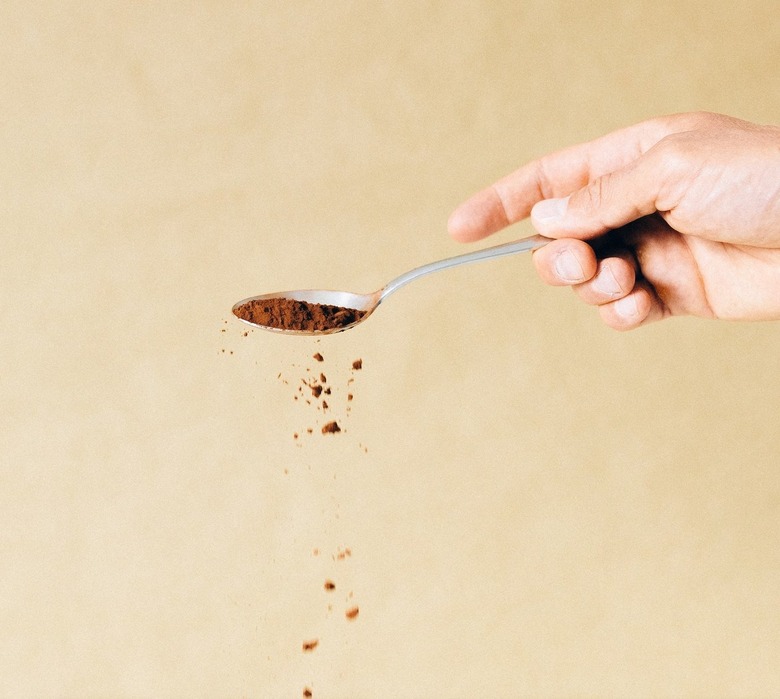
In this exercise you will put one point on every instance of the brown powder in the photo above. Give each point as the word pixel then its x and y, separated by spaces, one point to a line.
pixel 314 389
pixel 309 646
pixel 342 554
pixel 352 613
pixel 330 585
pixel 289 314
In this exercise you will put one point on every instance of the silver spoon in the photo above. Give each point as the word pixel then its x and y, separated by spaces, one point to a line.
pixel 367 303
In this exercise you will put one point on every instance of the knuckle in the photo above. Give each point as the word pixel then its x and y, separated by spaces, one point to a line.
pixel 704 118
pixel 595 194
pixel 673 156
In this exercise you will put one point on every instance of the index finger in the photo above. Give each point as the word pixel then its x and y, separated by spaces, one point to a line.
pixel 558 174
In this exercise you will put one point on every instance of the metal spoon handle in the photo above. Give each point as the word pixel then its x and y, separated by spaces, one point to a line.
pixel 525 244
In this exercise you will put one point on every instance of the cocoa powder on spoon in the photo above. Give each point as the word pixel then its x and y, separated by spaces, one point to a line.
pixel 289 314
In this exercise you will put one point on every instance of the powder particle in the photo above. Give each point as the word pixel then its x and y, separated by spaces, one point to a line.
pixel 307 693
pixel 289 314
pixel 343 554
pixel 352 613
pixel 309 646
pixel 329 586
pixel 326 398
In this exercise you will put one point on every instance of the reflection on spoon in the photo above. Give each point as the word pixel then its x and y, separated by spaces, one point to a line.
pixel 321 312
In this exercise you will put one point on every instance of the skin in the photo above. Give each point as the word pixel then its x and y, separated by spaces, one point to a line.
pixel 678 215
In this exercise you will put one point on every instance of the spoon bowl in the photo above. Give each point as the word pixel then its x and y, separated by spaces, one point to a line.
pixel 326 312
pixel 366 303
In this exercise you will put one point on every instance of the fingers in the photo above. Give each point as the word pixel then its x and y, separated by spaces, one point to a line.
pixel 482 214
pixel 577 195
pixel 611 283
pixel 609 202
pixel 554 176
pixel 639 307
pixel 565 262
pixel 615 278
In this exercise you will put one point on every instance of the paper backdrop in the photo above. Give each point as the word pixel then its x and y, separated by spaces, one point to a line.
pixel 521 502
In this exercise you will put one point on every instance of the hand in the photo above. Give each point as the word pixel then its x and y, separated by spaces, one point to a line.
pixel 681 215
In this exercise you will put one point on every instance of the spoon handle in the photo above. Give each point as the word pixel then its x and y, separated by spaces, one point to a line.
pixel 525 244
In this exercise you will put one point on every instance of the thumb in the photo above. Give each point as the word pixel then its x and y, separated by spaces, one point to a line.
pixel 608 202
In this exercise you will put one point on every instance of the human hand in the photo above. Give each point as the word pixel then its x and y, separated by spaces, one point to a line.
pixel 681 215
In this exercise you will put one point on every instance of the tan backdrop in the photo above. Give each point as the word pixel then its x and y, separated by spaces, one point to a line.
pixel 521 503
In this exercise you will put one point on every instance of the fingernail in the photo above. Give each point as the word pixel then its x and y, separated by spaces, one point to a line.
pixel 568 267
pixel 626 307
pixel 606 283
pixel 550 209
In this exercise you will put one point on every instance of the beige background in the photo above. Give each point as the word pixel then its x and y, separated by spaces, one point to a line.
pixel 535 505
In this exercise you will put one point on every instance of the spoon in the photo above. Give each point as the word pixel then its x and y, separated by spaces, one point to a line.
pixel 346 310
